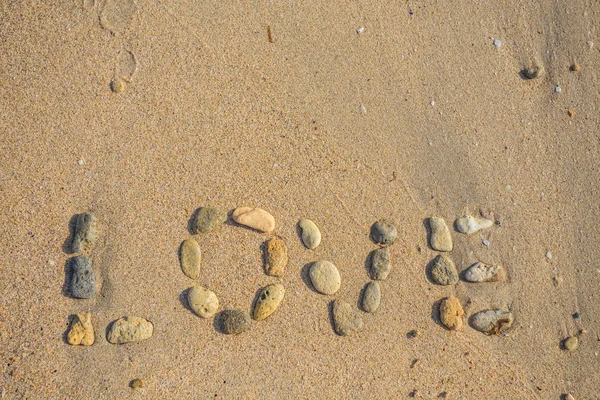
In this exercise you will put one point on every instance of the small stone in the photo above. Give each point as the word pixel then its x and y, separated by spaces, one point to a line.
pixel 569 397
pixel 575 67
pixel 202 301
pixel 576 315
pixel 371 297
pixel 311 236
pixel 325 277
pixel 79 162
pixel 486 243
pixel 129 329
pixel 469 224
pixel 255 218
pixel 137 384
pixel 557 89
pixel 480 272
pixel 207 219
pixel 383 232
pixel 380 263
pixel 440 235
pixel 83 279
pixel 443 271
pixel 497 43
pixel 492 322
pixel 85 233
pixel 451 313
pixel 235 321
pixel 190 256
pixel 81 331
pixel 549 256
pixel 345 319
pixel 276 257
pixel 118 85
pixel 571 343
pixel 268 301
pixel 533 72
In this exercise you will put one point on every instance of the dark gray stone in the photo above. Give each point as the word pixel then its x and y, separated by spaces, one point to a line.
pixel 383 232
pixel 83 281
pixel 85 233
pixel 206 219
pixel 235 321
pixel 380 263
pixel 443 271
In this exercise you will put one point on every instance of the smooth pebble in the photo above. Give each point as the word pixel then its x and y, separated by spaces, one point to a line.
pixel 83 279
pixel 380 263
pixel 81 331
pixel 190 257
pixel 311 236
pixel 207 219
pixel 234 322
pixel 276 257
pixel 469 224
pixel 202 301
pixel 571 343
pixel 345 319
pixel 268 301
pixel 383 232
pixel 255 218
pixel 443 271
pixel 451 313
pixel 118 85
pixel 371 297
pixel 480 272
pixel 492 322
pixel 85 233
pixel 440 239
pixel 325 277
pixel 130 329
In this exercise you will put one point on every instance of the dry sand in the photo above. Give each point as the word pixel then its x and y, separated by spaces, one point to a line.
pixel 216 114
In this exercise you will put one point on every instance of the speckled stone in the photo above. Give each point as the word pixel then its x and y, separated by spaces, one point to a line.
pixel 325 277
pixel 380 263
pixel 345 319
pixel 202 301
pixel 443 271
pixel 234 322
pixel 84 233
pixel 268 301
pixel 440 239
pixel 81 331
pixel 190 257
pixel 492 322
pixel 480 272
pixel 207 219
pixel 129 330
pixel 451 313
pixel 83 280
pixel 469 224
pixel 276 257
pixel 311 235
pixel 383 232
pixel 371 297
pixel 255 218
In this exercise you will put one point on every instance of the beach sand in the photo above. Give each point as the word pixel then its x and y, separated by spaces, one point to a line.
pixel 284 106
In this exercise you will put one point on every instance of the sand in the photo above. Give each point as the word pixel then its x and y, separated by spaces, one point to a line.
pixel 284 106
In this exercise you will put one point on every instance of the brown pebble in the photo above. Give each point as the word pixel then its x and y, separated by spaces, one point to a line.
pixel 571 113
pixel 575 67
pixel 137 383
pixel 451 313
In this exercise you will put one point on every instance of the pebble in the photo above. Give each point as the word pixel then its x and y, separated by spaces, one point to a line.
pixel 190 256
pixel 549 256
pixel 569 397
pixel 575 67
pixel 380 263
pixel 480 272
pixel 443 271
pixel 118 85
pixel 497 43
pixel 129 329
pixel 137 383
pixel 492 322
pixel 345 319
pixel 268 301
pixel 81 331
pixel 440 235
pixel 451 313
pixel 235 321
pixel 85 233
pixel 383 232
pixel 311 236
pixel 207 219
pixel 534 72
pixel 557 89
pixel 255 218
pixel 83 279
pixel 202 301
pixel 486 243
pixel 469 224
pixel 571 343
pixel 371 297
pixel 325 277
pixel 276 257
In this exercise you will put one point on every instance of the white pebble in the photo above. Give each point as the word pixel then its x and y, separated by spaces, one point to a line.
pixel 363 109
pixel 549 256
pixel 557 89
pixel 508 187
pixel 497 43
pixel 275 165
pixel 486 243
pixel 51 262
pixel 80 162
pixel 432 103
pixel 360 30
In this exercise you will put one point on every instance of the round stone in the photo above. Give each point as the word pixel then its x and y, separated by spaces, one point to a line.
pixel 325 277
pixel 380 263
pixel 480 272
pixel 371 297
pixel 118 85
pixel 311 236
pixel 207 219
pixel 383 232
pixel 571 343
pixel 129 329
pixel 533 72
pixel 190 257
pixel 235 321
pixel 276 257
pixel 255 218
pixel 83 279
pixel 202 301
pixel 443 271
pixel 440 239
pixel 451 313
pixel 345 319
pixel 268 301
pixel 492 322
pixel 81 331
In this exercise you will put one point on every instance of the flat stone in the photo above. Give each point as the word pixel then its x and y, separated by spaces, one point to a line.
pixel 380 263
pixel 268 301
pixel 85 233
pixel 276 257
pixel 207 219
pixel 83 280
pixel 571 343
pixel 345 319
pixel 371 297
pixel 383 232
pixel 492 322
pixel 190 257
pixel 443 271
pixel 480 272
pixel 451 313
pixel 235 321
pixel 129 330
pixel 202 301
pixel 81 331
pixel 440 235
pixel 255 218
pixel 311 236
pixel 469 224
pixel 325 277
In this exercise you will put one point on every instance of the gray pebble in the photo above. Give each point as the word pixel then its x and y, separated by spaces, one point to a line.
pixel 345 319
pixel 325 277
pixel 380 263
pixel 85 233
pixel 206 219
pixel 571 343
pixel 383 232
pixel 371 297
pixel 83 281
pixel 311 236
pixel 492 322
pixel 480 272
pixel 235 321
pixel 440 239
pixel 443 271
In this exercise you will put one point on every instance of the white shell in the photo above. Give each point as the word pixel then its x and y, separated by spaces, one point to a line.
pixel 469 224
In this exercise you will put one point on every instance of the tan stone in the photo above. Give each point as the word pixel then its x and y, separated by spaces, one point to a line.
pixel 276 257
pixel 268 301
pixel 255 218
pixel 190 257
pixel 81 331
pixel 130 329
pixel 440 239
pixel 451 313
pixel 203 302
